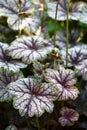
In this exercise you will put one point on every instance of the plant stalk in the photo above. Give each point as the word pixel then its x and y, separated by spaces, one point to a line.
pixel 20 20
pixel 55 30
pixel 37 121
pixel 67 31
pixel 28 125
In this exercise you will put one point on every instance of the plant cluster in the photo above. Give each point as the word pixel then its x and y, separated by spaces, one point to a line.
pixel 43 64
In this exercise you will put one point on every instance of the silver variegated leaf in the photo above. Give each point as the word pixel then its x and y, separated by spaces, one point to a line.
pixel 74 10
pixel 31 97
pixel 5 79
pixel 61 38
pixel 83 17
pixel 76 55
pixel 18 14
pixel 7 62
pixel 14 66
pixel 68 116
pixel 31 23
pixel 81 69
pixel 13 8
pixel 38 68
pixel 30 48
pixel 64 81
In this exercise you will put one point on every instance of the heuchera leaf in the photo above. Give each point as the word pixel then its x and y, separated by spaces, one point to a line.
pixel 61 38
pixel 30 48
pixel 7 62
pixel 11 8
pixel 38 68
pixel 83 17
pixel 19 14
pixel 64 81
pixel 68 116
pixel 76 55
pixel 81 69
pixel 31 97
pixel 74 10
pixel 5 79
pixel 30 23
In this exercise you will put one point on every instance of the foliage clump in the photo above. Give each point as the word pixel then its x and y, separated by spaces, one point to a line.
pixel 43 64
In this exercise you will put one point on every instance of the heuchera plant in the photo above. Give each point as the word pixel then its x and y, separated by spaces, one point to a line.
pixel 43 67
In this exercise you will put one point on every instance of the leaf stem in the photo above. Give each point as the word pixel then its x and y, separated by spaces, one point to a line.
pixel 67 31
pixel 28 125
pixel 37 121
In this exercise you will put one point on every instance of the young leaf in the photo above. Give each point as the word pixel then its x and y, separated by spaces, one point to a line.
pixel 38 68
pixel 68 116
